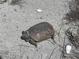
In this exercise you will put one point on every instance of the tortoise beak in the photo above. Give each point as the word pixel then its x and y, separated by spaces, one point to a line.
pixel 24 38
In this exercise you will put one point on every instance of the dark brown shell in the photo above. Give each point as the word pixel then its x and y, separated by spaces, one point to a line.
pixel 41 31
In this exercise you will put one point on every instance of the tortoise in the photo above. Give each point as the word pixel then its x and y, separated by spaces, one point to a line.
pixel 38 33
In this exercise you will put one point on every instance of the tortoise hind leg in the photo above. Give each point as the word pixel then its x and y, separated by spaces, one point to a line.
pixel 52 37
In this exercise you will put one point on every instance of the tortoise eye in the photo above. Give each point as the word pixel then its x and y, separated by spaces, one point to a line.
pixel 23 32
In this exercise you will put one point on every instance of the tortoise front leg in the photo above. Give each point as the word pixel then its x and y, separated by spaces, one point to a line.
pixel 33 42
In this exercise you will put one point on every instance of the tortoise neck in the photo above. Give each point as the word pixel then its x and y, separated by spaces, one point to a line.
pixel 29 37
pixel 28 33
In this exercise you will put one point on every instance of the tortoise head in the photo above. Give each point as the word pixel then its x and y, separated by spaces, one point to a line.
pixel 25 36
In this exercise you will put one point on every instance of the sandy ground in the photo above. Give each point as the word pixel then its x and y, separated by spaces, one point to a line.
pixel 15 19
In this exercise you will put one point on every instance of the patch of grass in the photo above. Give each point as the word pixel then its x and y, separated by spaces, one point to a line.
pixel 15 2
pixel 74 39
pixel 73 14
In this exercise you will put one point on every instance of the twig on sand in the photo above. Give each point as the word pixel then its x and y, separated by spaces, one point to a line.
pixel 51 53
